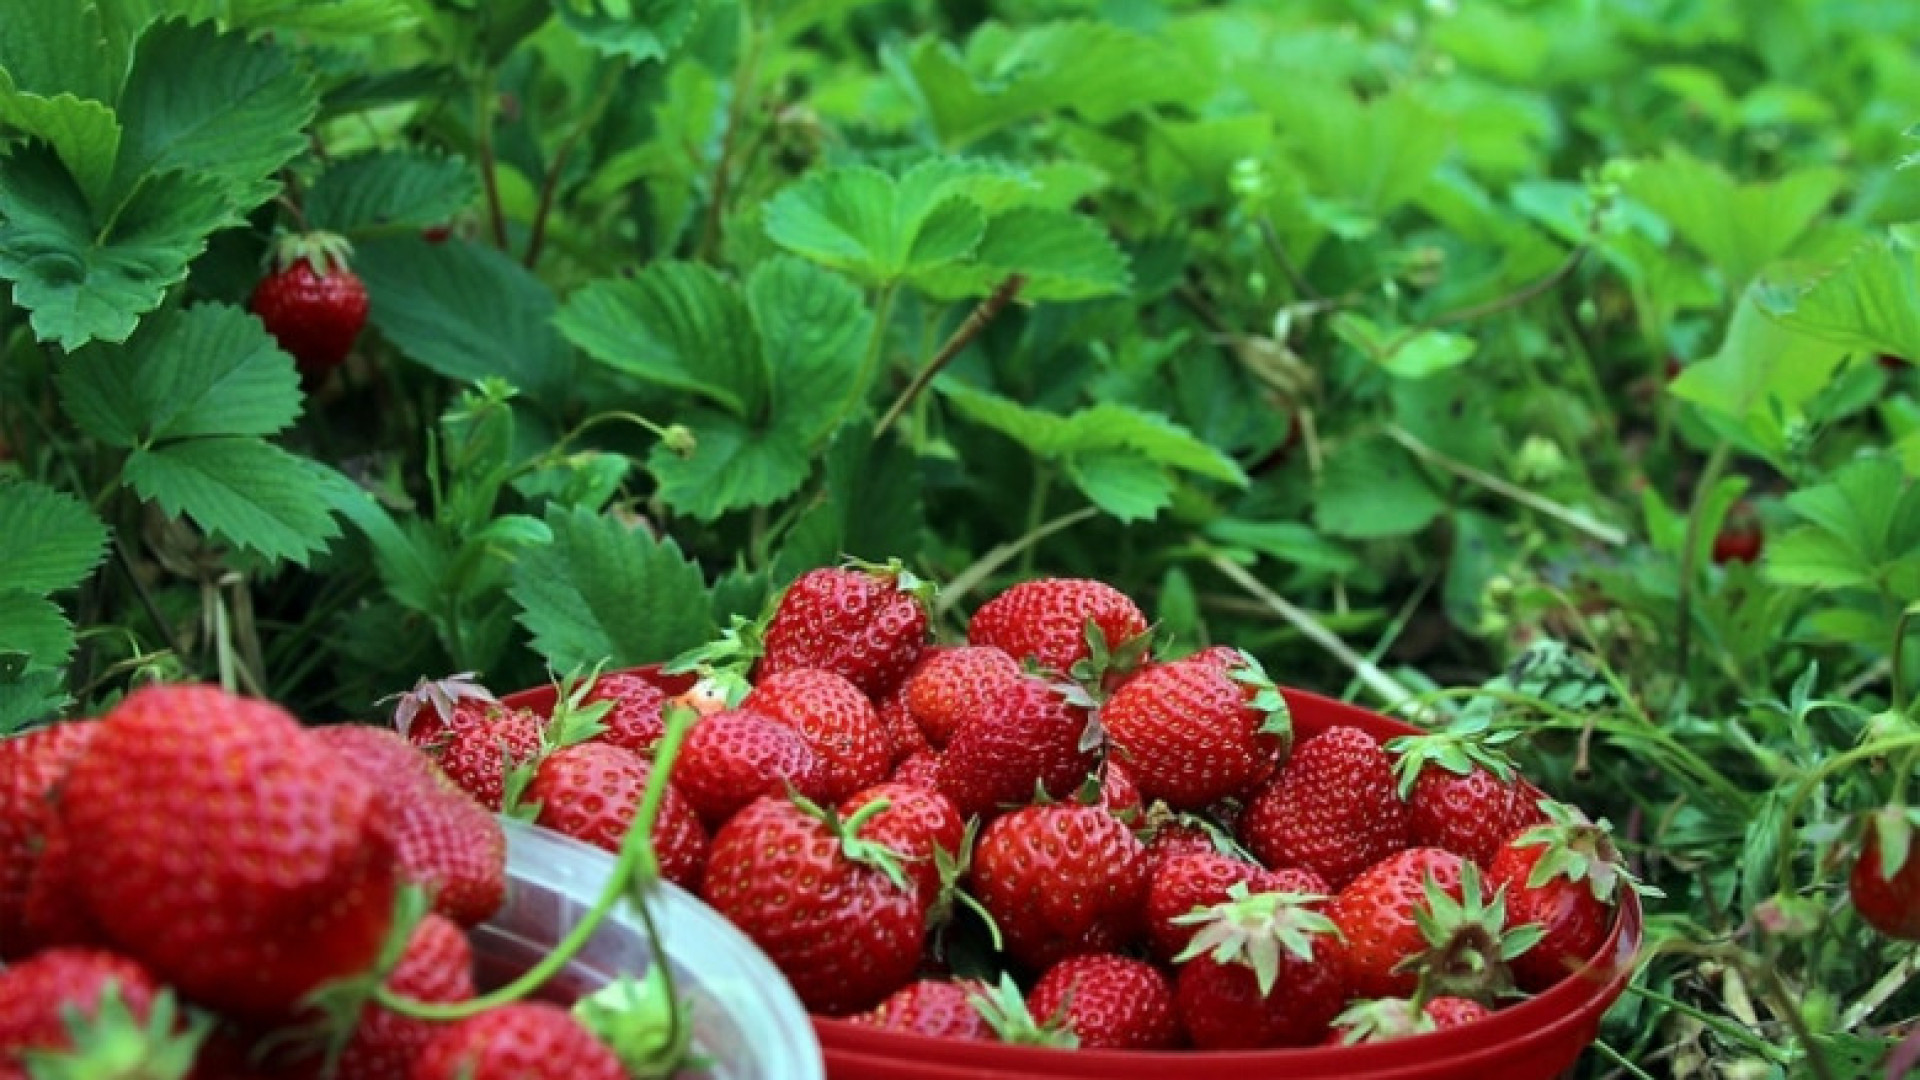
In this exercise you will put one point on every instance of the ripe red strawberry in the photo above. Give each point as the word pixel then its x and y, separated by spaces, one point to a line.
pixel 437 966
pixel 634 722
pixel 1168 834
pixel 952 684
pixel 733 757
pixel 1885 881
pixel 941 1008
pixel 904 736
pixel 591 791
pixel 1462 793
pixel 832 908
pixel 1263 969
pixel 1109 1002
pixel 312 302
pixel 916 824
pixel 1386 1019
pixel 522 1041
pixel 1565 876
pixel 1376 916
pixel 1045 621
pixel 34 992
pixel 217 829
pixel 1181 883
pixel 445 841
pixel 836 719
pixel 1031 736
pixel 429 713
pixel 1061 879
pixel 1331 809
pixel 865 623
pixel 479 756
pixel 1118 791
pixel 31 766
pixel 1192 733
pixel 1740 538
pixel 54 913
pixel 920 770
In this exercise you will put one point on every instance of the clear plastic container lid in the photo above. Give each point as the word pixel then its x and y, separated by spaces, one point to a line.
pixel 748 1023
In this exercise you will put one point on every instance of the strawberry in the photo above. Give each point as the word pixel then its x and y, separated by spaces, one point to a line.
pixel 865 623
pixel 1378 914
pixel 53 912
pixel 941 1008
pixel 35 992
pixel 429 713
pixel 1740 538
pixel 1061 879
pixel 1182 883
pixel 1108 1002
pixel 634 722
pixel 1192 733
pixel 446 842
pixel 217 829
pixel 478 756
pixel 437 966
pixel 1332 809
pixel 836 719
pixel 1168 834
pixel 952 684
pixel 733 757
pixel 31 767
pixel 919 770
pixel 522 1041
pixel 903 731
pixel 1885 881
pixel 830 906
pixel 1385 1019
pixel 1462 793
pixel 1032 735
pixel 1118 791
pixel 1045 621
pixel 592 790
pixel 312 302
pixel 1263 969
pixel 918 824
pixel 1566 877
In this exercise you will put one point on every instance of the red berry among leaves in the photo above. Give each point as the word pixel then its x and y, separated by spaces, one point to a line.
pixel 1331 809
pixel 865 623
pixel 1062 879
pixel 312 303
pixel 1108 1002
pixel 1885 881
pixel 1046 621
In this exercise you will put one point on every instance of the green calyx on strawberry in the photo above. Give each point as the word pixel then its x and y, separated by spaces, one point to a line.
pixel 1267 700
pixel 1579 849
pixel 1469 944
pixel 643 1023
pixel 1459 750
pixel 1881 883
pixel 953 867
pixel 112 1043
pixel 904 580
pixel 723 664
pixel 1109 660
pixel 1257 931
pixel 574 720
pixel 1005 1011
pixel 854 848
pixel 443 696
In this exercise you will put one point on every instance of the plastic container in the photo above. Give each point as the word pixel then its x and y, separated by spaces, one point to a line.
pixel 747 1021
pixel 1537 1039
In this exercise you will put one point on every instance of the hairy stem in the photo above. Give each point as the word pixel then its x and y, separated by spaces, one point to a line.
pixel 1606 534
pixel 976 321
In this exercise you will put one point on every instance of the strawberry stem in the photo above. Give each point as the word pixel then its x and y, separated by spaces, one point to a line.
pixel 636 870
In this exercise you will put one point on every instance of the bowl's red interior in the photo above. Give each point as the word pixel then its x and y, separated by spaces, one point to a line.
pixel 1565 1014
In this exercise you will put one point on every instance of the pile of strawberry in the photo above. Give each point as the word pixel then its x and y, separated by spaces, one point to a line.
pixel 1049 836
pixel 197 885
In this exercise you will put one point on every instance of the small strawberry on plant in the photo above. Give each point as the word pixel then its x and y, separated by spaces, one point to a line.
pixel 1885 881
pixel 312 302
pixel 1740 539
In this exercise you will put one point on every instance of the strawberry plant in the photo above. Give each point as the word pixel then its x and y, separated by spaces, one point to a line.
pixel 1540 373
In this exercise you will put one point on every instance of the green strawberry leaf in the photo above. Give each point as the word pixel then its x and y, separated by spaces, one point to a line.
pixel 1739 226
pixel 636 30
pixel 243 490
pixel 27 697
pixel 1372 490
pixel 80 277
pixel 813 326
pixel 735 466
pixel 677 325
pixel 1409 353
pixel 878 228
pixel 218 105
pixel 84 134
pixel 48 540
pixel 1870 303
pixel 208 370
pixel 1060 255
pixel 467 312
pixel 54 49
pixel 604 591
pixel 390 187
pixel 34 627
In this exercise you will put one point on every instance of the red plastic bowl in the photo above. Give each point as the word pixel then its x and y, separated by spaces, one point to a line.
pixel 1537 1039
